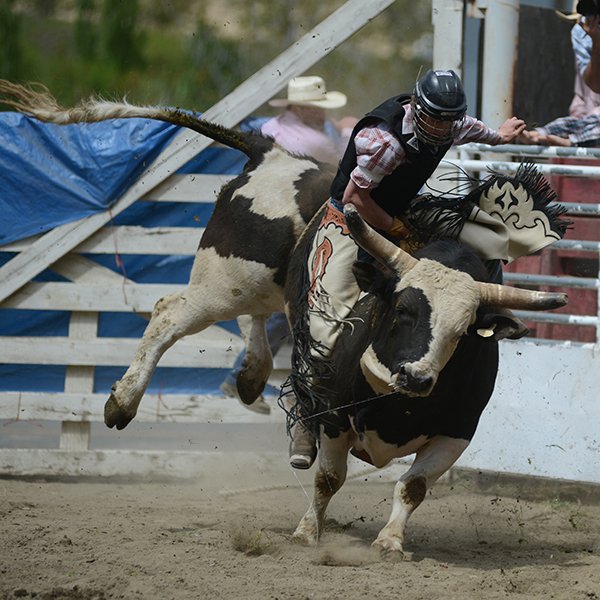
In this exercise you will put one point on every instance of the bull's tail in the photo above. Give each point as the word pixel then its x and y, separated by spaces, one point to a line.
pixel 35 100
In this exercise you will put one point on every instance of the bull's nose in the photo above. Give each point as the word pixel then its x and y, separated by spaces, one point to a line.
pixel 419 383
pixel 414 380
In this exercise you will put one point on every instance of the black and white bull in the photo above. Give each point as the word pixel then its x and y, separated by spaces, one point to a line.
pixel 241 263
pixel 411 373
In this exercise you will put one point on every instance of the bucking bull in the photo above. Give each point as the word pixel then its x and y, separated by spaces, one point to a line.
pixel 415 368
pixel 412 371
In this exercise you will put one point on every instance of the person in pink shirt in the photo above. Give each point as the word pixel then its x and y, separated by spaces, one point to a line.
pixel 304 128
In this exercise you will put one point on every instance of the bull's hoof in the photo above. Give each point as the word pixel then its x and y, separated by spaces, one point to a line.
pixel 389 548
pixel 248 390
pixel 114 415
pixel 305 538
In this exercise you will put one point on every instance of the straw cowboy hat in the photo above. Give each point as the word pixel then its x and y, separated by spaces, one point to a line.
pixel 310 91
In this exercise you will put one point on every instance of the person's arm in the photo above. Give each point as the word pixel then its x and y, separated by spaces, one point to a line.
pixel 474 130
pixel 511 129
pixel 368 209
pixel 378 153
pixel 372 213
pixel 591 73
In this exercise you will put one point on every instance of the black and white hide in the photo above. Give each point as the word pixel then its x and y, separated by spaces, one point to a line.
pixel 410 373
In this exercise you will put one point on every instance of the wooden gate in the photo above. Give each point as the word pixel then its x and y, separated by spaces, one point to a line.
pixel 92 289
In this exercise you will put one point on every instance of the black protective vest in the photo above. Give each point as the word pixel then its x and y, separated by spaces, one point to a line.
pixel 398 188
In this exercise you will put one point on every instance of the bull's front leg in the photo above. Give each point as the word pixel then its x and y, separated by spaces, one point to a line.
pixel 329 478
pixel 431 462
pixel 173 317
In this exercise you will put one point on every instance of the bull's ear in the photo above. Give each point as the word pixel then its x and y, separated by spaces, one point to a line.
pixel 370 278
pixel 497 326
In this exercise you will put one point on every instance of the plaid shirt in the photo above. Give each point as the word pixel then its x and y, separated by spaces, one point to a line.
pixel 583 131
pixel 582 47
pixel 378 151
pixel 585 101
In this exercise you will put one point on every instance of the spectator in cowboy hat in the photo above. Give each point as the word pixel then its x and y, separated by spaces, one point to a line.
pixel 304 127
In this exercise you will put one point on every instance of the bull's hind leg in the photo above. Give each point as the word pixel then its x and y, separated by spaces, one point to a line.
pixel 431 462
pixel 329 478
pixel 258 361
pixel 173 317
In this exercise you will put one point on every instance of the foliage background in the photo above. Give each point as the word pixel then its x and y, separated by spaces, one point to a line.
pixel 191 53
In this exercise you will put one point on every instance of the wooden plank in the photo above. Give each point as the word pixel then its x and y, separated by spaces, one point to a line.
pixel 156 408
pixel 194 187
pixel 229 111
pixel 198 351
pixel 203 353
pixel 83 270
pixel 132 240
pixel 133 463
pixel 124 297
pixel 143 240
pixel 75 435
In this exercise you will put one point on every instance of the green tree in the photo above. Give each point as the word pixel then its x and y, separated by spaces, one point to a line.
pixel 217 65
pixel 382 59
pixel 121 41
pixel 11 50
pixel 86 35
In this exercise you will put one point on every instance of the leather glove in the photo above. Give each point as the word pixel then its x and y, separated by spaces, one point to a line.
pixel 398 229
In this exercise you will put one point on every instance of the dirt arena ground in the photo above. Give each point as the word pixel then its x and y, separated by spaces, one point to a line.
pixel 227 535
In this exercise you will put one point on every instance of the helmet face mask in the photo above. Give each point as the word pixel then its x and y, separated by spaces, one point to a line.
pixel 438 106
pixel 430 130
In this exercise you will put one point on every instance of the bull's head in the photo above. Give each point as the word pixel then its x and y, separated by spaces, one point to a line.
pixel 434 306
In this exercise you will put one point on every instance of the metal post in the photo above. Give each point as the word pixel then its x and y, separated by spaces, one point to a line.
pixel 499 60
pixel 447 18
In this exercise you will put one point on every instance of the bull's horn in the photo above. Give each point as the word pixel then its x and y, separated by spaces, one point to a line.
pixel 504 296
pixel 375 244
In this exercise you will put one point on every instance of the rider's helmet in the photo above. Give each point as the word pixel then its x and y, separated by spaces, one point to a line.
pixel 439 105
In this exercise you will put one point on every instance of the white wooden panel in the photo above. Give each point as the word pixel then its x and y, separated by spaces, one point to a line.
pixel 201 351
pixel 130 463
pixel 204 353
pixel 133 240
pixel 101 297
pixel 196 187
pixel 75 435
pixel 542 419
pixel 136 463
pixel 83 270
pixel 143 240
pixel 163 408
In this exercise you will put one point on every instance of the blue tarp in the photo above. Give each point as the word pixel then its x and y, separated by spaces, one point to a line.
pixel 51 175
